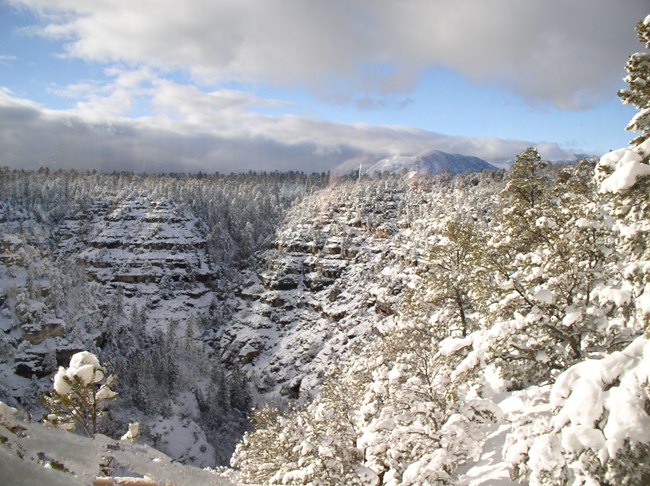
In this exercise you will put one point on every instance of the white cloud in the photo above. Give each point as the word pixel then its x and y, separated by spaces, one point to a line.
pixel 215 131
pixel 569 54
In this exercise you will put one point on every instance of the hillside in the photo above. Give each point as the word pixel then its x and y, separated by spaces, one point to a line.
pixel 431 162
pixel 336 276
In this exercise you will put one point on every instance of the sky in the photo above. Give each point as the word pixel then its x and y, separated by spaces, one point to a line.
pixel 230 85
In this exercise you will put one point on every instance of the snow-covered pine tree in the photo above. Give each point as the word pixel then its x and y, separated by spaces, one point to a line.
pixel 79 394
pixel 638 91
pixel 446 285
pixel 545 257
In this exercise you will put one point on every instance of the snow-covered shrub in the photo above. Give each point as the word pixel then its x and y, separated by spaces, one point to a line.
pixel 600 432
pixel 79 394
pixel 307 444
pixel 421 413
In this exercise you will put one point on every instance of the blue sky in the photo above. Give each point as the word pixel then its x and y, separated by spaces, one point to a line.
pixel 295 84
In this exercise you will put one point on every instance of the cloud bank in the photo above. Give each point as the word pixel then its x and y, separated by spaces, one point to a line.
pixel 208 132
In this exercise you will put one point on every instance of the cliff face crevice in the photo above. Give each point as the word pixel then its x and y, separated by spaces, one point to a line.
pixel 327 284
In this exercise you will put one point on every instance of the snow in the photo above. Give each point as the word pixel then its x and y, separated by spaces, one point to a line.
pixel 609 392
pixel 545 453
pixel 451 345
pixel 618 296
pixel 492 468
pixel 576 438
pixel 83 358
pixel 84 366
pixel 32 453
pixel 544 296
pixel 578 393
pixel 105 393
pixel 60 384
pixel 133 433
pixel 627 165
pixel 572 315
pixel 182 438
pixel 625 177
pixel 86 374
pixel 643 301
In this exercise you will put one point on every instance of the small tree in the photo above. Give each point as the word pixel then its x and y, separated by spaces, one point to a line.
pixel 450 276
pixel 79 394
pixel 523 200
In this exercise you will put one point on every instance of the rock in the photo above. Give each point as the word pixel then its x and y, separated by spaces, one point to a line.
pixel 34 362
pixel 315 282
pixel 63 355
pixel 36 333
pixel 252 293
pixel 273 281
pixel 250 351
pixel 332 267
pixel 333 248
pixel 333 294
pixel 384 308
pixel 293 390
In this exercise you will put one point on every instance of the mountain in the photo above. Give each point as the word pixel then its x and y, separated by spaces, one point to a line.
pixel 505 162
pixel 432 162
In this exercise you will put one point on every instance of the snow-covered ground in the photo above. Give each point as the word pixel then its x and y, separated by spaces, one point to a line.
pixel 33 454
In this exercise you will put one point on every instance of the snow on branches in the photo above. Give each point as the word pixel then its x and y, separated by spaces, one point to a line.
pixel 600 430
pixel 79 394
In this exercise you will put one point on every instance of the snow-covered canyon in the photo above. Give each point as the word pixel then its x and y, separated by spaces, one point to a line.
pixel 388 329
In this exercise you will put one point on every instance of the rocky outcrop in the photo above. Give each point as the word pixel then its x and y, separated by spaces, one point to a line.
pixel 38 332
pixel 142 240
pixel 149 250
pixel 316 292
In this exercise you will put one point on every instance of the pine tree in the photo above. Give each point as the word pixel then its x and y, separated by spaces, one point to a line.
pixel 523 199
pixel 638 92
pixel 239 393
pixel 541 266
pixel 447 283
pixel 79 394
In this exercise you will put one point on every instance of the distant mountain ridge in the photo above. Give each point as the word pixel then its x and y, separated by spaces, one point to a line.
pixel 431 162
pixel 572 158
